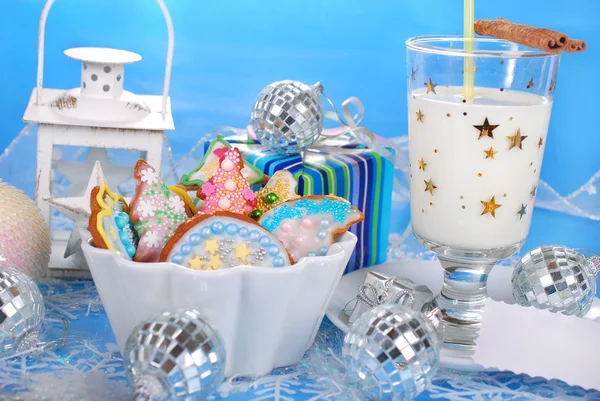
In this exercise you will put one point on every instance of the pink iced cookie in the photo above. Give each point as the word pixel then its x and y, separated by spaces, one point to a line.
pixel 155 211
pixel 227 190
pixel 308 226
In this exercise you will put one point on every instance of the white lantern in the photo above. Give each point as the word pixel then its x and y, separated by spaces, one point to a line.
pixel 100 113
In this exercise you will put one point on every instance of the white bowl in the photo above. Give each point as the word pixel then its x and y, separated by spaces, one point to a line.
pixel 268 317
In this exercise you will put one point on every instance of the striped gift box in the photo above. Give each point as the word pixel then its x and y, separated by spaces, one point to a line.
pixel 350 171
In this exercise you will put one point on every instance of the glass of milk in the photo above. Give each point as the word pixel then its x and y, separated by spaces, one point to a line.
pixel 474 162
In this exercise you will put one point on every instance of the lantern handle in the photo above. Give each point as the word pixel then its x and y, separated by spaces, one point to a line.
pixel 171 43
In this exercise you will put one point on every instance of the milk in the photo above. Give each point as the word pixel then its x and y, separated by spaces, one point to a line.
pixel 461 167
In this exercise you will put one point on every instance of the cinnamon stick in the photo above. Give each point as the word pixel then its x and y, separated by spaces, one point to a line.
pixel 538 38
pixel 575 46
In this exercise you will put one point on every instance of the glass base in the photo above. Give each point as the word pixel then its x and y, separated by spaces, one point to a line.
pixel 464 292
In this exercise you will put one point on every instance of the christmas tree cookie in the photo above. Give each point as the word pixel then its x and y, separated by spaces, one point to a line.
pixel 156 211
pixel 210 164
pixel 227 190
pixel 308 226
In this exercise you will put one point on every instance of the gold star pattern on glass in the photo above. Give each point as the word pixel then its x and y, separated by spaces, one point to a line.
pixel 540 143
pixel 420 115
pixel 490 207
pixel 430 87
pixel 413 74
pixel 196 263
pixel 486 129
pixel 489 154
pixel 214 262
pixel 211 246
pixel 429 187
pixel 533 191
pixel 522 211
pixel 516 140
pixel 552 85
pixel 241 252
pixel 422 164
pixel 530 83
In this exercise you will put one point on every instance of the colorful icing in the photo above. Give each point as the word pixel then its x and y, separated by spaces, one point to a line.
pixel 210 164
pixel 227 190
pixel 112 222
pixel 218 242
pixel 156 211
pixel 280 189
pixel 307 226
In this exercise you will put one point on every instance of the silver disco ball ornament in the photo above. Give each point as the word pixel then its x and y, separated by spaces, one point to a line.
pixel 393 351
pixel 175 356
pixel 288 116
pixel 556 278
pixel 22 311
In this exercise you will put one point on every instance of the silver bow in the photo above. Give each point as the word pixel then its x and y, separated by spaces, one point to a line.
pixel 367 294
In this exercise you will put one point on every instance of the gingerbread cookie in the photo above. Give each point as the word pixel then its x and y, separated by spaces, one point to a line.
pixel 227 190
pixel 109 222
pixel 280 188
pixel 156 211
pixel 307 226
pixel 210 164
pixel 223 240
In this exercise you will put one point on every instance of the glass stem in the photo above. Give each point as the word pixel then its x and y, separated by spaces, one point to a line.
pixel 462 300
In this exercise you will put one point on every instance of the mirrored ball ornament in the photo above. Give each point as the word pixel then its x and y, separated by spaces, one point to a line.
pixel 392 351
pixel 175 356
pixel 287 116
pixel 556 278
pixel 22 311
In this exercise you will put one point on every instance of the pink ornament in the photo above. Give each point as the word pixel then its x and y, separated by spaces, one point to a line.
pixel 24 237
pixel 306 223
pixel 299 241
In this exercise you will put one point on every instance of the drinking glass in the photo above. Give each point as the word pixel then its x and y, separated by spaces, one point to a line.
pixel 474 162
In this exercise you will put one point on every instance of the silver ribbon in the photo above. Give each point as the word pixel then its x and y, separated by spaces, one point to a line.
pixel 367 294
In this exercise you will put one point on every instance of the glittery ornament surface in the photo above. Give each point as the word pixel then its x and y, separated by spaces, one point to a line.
pixel 24 236
pixel 227 190
pixel 21 312
pixel 288 116
pixel 556 278
pixel 175 356
pixel 155 211
pixel 393 352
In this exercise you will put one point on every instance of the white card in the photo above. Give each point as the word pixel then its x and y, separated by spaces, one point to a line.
pixel 540 343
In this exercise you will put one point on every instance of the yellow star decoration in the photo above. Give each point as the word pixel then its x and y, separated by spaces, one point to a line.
pixel 490 207
pixel 422 164
pixel 486 129
pixel 420 115
pixel 532 193
pixel 541 142
pixel 214 262
pixel 241 252
pixel 489 154
pixel 211 246
pixel 516 140
pixel 429 187
pixel 530 83
pixel 430 87
pixel 196 263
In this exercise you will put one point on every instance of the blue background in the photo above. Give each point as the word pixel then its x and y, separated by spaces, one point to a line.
pixel 226 51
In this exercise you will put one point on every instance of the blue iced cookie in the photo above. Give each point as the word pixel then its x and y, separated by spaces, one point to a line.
pixel 223 240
